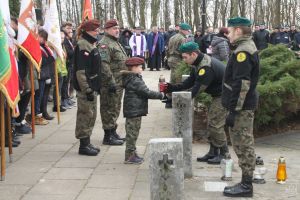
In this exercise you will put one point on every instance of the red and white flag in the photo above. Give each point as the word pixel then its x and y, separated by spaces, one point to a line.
pixel 11 88
pixel 28 33
pixel 52 26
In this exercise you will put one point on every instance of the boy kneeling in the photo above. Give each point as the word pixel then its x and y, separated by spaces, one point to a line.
pixel 135 105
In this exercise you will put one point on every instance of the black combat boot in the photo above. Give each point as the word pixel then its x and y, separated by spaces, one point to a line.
pixel 116 135
pixel 86 149
pixel 242 189
pixel 213 152
pixel 217 159
pixel 110 139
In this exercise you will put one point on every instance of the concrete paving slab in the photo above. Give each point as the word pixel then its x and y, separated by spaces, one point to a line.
pixel 111 181
pixel 57 187
pixel 104 193
pixel 69 173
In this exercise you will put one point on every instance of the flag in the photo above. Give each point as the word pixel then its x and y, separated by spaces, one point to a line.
pixel 28 33
pixel 11 88
pixel 4 53
pixel 52 27
pixel 87 10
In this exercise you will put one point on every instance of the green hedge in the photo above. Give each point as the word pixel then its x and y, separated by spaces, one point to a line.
pixel 279 85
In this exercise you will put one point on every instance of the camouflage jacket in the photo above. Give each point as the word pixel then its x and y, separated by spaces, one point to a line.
pixel 174 43
pixel 241 77
pixel 113 58
pixel 136 95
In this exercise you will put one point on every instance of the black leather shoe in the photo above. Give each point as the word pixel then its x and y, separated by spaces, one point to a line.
pixel 109 139
pixel 47 116
pixel 62 109
pixel 88 151
pixel 85 148
pixel 93 147
pixel 213 152
pixel 217 159
pixel 243 189
pixel 117 136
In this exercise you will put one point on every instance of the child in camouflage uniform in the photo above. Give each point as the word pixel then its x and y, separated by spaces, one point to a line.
pixel 135 105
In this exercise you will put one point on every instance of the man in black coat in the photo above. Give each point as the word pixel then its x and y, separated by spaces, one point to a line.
pixel 261 37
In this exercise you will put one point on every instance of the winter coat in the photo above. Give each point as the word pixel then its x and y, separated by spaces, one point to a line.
pixel 261 39
pixel 48 62
pixel 136 95
pixel 220 48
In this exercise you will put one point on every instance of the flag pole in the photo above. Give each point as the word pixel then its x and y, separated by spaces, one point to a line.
pixel 32 100
pixel 2 130
pixel 57 94
pixel 9 133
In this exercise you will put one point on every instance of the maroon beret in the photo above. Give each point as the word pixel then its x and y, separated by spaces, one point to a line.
pixel 134 61
pixel 111 23
pixel 90 25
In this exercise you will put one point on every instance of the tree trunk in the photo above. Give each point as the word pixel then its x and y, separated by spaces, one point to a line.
pixel 196 12
pixel 177 12
pixel 167 14
pixel 242 6
pixel 154 12
pixel 223 11
pixel 119 15
pixel 128 12
pixel 216 13
pixel 112 9
pixel 234 11
pixel 277 13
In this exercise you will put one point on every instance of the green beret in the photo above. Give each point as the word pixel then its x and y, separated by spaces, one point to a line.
pixel 185 26
pixel 239 21
pixel 189 47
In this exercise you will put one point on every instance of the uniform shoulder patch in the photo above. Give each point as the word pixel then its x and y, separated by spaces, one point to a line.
pixel 241 57
pixel 201 72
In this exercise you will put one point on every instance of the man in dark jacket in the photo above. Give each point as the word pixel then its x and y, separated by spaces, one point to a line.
pixel 293 32
pixel 282 37
pixel 206 75
pixel 68 81
pixel 240 98
pixel 261 37
pixel 135 105
pixel 87 83
pixel 206 40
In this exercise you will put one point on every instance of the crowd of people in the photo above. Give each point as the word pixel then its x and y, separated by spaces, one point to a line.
pixel 110 59
pixel 44 82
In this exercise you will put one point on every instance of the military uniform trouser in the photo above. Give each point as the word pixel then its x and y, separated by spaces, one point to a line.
pixel 242 139
pixel 216 121
pixel 132 127
pixel 86 115
pixel 110 107
pixel 173 66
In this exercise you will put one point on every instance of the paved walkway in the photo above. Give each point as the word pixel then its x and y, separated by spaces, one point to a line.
pixel 49 167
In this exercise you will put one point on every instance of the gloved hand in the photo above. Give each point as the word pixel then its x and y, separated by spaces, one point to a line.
pixel 90 96
pixel 170 88
pixel 230 119
pixel 112 89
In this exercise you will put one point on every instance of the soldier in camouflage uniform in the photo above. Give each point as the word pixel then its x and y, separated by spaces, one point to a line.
pixel 206 75
pixel 113 58
pixel 87 67
pixel 174 56
pixel 240 98
pixel 135 105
